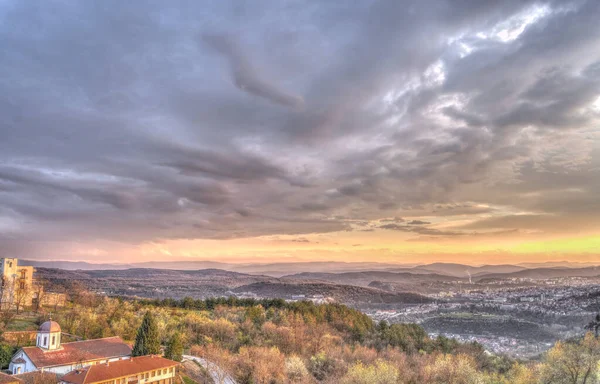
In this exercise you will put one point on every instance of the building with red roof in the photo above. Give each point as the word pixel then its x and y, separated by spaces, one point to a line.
pixel 8 379
pixel 50 355
pixel 139 370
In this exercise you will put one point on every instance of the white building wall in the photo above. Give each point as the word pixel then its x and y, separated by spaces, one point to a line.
pixel 64 369
pixel 151 379
pixel 60 370
pixel 48 340
pixel 26 367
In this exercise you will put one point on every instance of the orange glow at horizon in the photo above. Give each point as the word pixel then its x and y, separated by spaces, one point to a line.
pixel 377 246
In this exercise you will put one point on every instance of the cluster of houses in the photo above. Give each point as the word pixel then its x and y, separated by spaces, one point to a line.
pixel 99 361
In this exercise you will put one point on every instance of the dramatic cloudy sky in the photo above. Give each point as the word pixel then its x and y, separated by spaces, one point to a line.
pixel 396 131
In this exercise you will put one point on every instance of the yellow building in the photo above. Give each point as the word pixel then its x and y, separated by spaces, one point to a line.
pixel 139 370
pixel 17 284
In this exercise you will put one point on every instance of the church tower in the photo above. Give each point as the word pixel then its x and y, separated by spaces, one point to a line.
pixel 48 336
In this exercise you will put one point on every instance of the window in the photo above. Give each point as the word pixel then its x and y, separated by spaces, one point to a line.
pixel 146 375
pixel 23 274
pixel 45 340
pixel 22 285
pixel 153 373
pixel 53 340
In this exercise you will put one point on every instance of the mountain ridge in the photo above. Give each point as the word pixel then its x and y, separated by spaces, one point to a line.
pixel 288 269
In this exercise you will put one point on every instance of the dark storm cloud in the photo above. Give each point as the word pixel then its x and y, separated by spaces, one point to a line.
pixel 393 220
pixel 238 166
pixel 555 100
pixel 418 222
pixel 421 230
pixel 245 76
pixel 119 121
pixel 313 207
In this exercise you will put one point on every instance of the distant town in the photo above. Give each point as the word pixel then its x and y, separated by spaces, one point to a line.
pixel 501 308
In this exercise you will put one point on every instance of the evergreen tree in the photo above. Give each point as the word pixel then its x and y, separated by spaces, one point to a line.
pixel 6 353
pixel 147 340
pixel 174 350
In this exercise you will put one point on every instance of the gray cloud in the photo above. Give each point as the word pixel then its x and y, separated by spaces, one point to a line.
pixel 418 222
pixel 422 230
pixel 393 220
pixel 119 122
pixel 245 76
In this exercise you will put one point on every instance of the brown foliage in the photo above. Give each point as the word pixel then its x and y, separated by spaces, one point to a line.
pixel 261 365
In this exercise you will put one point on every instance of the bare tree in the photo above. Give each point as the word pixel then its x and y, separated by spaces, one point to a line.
pixel 3 292
pixel 22 295
pixel 573 363
pixel 7 316
pixel 8 293
pixel 217 361
pixel 38 293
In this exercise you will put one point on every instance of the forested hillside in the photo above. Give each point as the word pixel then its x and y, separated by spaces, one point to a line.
pixel 274 341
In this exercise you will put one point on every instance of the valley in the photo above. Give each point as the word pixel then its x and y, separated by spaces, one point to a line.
pixel 508 309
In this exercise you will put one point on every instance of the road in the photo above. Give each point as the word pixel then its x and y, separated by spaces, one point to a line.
pixel 218 375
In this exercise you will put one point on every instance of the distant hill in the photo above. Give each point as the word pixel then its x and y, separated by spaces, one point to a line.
pixel 72 265
pixel 545 273
pixel 271 269
pixel 344 293
pixel 284 269
pixel 216 276
pixel 155 283
pixel 462 270
pixel 559 264
pixel 81 265
pixel 163 283
pixel 366 277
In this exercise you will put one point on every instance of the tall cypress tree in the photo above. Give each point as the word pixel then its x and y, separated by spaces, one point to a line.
pixel 147 340
pixel 174 349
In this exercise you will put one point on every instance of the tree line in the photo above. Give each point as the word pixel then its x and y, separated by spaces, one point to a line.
pixel 274 341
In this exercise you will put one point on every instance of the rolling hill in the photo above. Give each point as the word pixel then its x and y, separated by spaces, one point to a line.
pixel 545 273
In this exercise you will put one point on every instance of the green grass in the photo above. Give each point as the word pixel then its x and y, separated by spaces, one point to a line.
pixel 469 315
pixel 22 324
pixel 187 380
pixel 202 369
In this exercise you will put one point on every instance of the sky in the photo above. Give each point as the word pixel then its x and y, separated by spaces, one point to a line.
pixel 287 130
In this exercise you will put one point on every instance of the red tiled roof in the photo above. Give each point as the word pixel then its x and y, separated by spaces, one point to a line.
pixel 122 368
pixel 37 377
pixel 78 351
pixel 8 379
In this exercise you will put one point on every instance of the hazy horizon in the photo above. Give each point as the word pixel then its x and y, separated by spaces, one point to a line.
pixel 355 265
pixel 382 131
